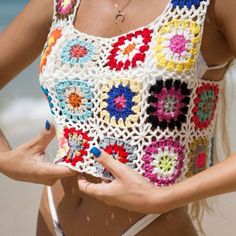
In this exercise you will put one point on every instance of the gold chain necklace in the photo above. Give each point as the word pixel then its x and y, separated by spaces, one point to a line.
pixel 120 15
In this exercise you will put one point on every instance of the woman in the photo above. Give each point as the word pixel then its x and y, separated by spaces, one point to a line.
pixel 77 212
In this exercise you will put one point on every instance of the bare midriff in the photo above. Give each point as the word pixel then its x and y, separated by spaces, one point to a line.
pixel 80 214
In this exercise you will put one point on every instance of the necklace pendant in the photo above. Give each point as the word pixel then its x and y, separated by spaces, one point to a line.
pixel 120 17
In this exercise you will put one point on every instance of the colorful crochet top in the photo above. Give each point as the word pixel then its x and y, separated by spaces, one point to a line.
pixel 139 96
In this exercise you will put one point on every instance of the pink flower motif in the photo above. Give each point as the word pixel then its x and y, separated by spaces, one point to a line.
pixel 168 104
pixel 178 44
pixel 166 99
pixel 120 102
pixel 164 161
pixel 78 51
pixel 65 8
pixel 198 155
pixel 201 160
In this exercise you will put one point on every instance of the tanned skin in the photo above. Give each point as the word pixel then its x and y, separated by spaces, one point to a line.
pixel 22 42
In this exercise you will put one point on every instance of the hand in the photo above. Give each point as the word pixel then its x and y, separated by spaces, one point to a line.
pixel 27 163
pixel 128 190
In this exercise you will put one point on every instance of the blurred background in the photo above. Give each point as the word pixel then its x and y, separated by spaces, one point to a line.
pixel 23 111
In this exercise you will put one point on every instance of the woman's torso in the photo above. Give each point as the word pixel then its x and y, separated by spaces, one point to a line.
pixel 94 21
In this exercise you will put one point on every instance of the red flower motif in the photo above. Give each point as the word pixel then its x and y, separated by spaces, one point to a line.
pixel 201 160
pixel 129 50
pixel 118 152
pixel 78 142
pixel 205 105
pixel 78 51
pixel 198 155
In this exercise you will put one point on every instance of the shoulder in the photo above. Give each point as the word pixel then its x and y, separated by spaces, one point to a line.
pixel 224 10
pixel 40 11
pixel 225 19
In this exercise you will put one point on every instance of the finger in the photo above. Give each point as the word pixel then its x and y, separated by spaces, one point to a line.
pixel 106 181
pixel 39 143
pixel 57 171
pixel 92 189
pixel 112 165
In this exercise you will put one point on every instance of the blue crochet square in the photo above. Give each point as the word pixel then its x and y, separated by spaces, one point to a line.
pixel 187 3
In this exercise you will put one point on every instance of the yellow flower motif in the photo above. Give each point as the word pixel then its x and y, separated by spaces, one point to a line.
pixel 66 3
pixel 120 100
pixel 177 44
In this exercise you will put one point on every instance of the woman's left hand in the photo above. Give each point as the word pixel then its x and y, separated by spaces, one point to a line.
pixel 128 190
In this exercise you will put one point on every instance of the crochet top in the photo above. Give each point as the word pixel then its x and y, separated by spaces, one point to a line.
pixel 139 96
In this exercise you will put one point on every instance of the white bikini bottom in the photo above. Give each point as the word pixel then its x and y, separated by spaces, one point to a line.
pixel 133 230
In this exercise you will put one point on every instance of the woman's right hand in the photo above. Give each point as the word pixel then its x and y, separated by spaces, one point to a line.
pixel 27 162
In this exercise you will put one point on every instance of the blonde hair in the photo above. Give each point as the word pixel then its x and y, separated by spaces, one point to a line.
pixel 222 145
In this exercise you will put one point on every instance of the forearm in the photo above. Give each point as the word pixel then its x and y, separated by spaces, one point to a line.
pixel 216 180
pixel 4 144
pixel 4 147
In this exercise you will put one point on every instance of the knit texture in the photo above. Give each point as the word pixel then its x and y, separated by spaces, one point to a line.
pixel 139 96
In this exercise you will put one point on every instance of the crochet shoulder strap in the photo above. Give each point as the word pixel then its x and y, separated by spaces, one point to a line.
pixel 65 10
pixel 189 9
pixel 184 24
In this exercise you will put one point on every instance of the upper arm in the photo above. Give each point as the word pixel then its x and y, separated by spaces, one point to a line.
pixel 225 11
pixel 23 40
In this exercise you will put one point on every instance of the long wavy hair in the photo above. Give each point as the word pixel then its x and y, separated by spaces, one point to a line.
pixel 222 145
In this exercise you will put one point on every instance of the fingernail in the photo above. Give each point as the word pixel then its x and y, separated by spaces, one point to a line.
pixel 47 125
pixel 96 152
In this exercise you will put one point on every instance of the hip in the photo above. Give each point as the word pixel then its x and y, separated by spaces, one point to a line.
pixel 80 214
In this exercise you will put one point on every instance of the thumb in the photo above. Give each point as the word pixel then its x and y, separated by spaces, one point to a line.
pixel 107 161
pixel 39 143
pixel 57 171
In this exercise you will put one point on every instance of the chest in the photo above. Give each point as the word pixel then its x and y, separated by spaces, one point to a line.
pixel 100 20
pixel 170 41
